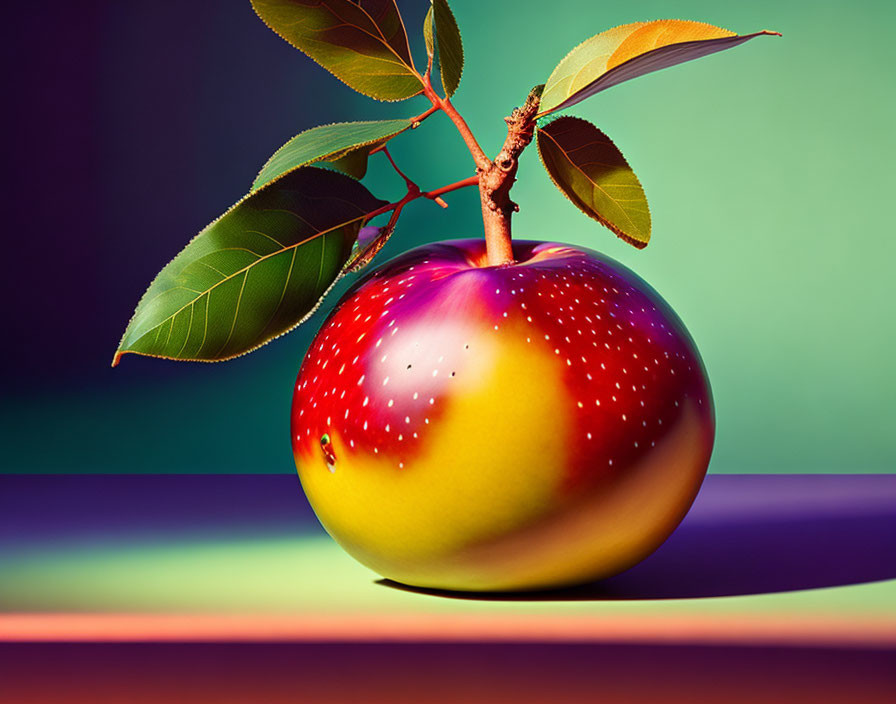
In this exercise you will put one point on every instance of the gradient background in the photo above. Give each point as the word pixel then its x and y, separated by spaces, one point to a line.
pixel 129 126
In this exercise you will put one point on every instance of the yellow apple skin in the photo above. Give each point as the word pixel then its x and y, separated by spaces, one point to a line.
pixel 531 426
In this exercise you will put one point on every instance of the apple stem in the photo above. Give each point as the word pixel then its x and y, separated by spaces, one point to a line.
pixel 415 121
pixel 444 104
pixel 498 239
pixel 457 185
pixel 414 193
pixel 496 177
pixel 495 183
pixel 413 188
pixel 410 184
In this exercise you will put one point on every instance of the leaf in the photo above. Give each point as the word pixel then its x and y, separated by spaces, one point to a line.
pixel 353 164
pixel 447 41
pixel 345 145
pixel 589 170
pixel 362 42
pixel 369 243
pixel 428 38
pixel 632 50
pixel 253 274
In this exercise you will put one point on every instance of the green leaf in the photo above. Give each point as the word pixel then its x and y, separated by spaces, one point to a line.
pixel 362 42
pixel 448 43
pixel 345 145
pixel 254 273
pixel 589 170
pixel 353 164
pixel 632 50
pixel 369 243
pixel 428 37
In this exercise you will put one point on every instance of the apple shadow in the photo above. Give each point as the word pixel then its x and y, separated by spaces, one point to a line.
pixel 754 534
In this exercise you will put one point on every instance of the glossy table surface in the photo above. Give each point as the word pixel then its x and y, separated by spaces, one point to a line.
pixel 225 589
pixel 765 559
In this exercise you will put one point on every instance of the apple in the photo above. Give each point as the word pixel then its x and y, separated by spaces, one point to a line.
pixel 527 426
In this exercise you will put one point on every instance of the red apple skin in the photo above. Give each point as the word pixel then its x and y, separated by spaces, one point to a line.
pixel 528 426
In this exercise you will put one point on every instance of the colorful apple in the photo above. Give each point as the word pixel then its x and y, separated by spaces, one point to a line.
pixel 471 427
pixel 481 414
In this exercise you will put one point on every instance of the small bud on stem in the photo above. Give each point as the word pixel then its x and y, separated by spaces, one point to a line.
pixel 496 181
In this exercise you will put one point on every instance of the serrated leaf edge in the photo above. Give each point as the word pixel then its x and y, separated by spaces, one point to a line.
pixel 594 215
pixel 338 154
pixel 361 259
pixel 561 106
pixel 428 32
pixel 119 353
pixel 450 12
pixel 413 72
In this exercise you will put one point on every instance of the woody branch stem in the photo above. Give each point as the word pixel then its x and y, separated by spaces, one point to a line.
pixel 498 178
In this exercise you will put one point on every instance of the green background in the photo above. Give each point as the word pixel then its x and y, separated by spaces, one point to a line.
pixel 768 169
